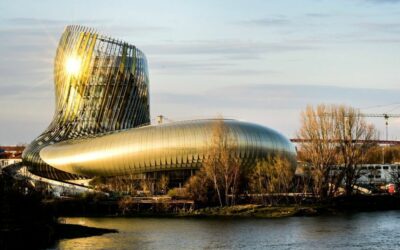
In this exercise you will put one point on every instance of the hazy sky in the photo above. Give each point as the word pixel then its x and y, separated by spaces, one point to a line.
pixel 259 61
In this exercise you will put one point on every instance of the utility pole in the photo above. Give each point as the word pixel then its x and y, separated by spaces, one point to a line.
pixel 386 116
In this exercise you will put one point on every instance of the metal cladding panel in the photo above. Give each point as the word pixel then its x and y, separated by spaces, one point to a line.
pixel 108 92
pixel 106 154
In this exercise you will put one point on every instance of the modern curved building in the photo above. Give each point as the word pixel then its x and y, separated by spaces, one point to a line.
pixel 101 125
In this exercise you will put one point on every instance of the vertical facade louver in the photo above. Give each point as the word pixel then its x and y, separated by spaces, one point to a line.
pixel 101 85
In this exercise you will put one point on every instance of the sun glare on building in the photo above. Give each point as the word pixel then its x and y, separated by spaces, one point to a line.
pixel 73 65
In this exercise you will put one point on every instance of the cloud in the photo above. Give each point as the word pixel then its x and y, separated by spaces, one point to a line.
pixel 105 26
pixel 223 47
pixel 171 66
pixel 28 21
pixel 319 15
pixel 274 105
pixel 383 1
pixel 178 65
pixel 392 28
pixel 279 96
pixel 267 21
pixel 216 56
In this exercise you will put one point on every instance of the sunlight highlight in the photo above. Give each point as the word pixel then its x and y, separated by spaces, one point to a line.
pixel 73 65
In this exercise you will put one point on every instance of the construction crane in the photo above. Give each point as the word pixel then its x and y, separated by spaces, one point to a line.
pixel 386 117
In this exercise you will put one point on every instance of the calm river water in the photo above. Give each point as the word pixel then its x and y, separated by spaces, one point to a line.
pixel 371 230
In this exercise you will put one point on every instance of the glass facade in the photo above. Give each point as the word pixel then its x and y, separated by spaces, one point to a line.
pixel 101 122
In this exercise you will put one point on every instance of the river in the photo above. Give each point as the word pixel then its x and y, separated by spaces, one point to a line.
pixel 369 230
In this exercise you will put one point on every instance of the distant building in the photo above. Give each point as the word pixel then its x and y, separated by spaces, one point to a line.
pixel 11 152
pixel 10 155
pixel 378 174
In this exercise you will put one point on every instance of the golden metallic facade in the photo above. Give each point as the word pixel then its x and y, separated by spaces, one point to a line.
pixel 106 89
pixel 102 107
pixel 174 146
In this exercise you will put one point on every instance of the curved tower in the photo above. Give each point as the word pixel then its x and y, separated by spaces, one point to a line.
pixel 101 85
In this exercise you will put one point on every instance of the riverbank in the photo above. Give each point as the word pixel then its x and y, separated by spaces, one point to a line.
pixel 255 211
pixel 167 208
pixel 338 205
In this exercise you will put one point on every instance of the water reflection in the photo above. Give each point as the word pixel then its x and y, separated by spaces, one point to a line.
pixel 374 230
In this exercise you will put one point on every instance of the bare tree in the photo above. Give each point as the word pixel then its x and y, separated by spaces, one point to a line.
pixel 335 136
pixel 162 184
pixel 258 179
pixel 354 139
pixel 223 165
pixel 318 130
pixel 147 186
